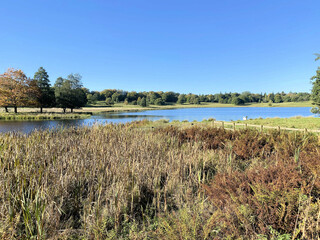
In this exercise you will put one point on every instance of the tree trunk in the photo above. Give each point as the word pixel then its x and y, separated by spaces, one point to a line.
pixel 6 109
pixel 41 111
pixel 71 109
pixel 64 110
pixel 15 109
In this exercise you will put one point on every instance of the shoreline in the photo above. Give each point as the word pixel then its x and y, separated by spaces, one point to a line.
pixel 34 116
pixel 133 108
pixel 120 107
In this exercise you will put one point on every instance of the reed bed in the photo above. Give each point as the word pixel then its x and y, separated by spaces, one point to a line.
pixel 35 116
pixel 124 181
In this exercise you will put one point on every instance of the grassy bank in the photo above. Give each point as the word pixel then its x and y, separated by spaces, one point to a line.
pixel 127 181
pixel 120 107
pixel 294 122
pixel 38 116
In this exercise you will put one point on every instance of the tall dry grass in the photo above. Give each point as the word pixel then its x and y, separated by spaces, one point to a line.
pixel 122 181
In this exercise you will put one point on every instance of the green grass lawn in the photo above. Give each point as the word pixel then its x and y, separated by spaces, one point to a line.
pixel 294 122
pixel 311 123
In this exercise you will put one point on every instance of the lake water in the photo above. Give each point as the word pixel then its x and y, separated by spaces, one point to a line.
pixel 190 114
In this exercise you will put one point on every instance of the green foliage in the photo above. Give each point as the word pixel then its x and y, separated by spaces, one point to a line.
pixel 237 101
pixel 69 92
pixel 134 102
pixel 116 97
pixel 46 97
pixel 119 96
pixel 274 235
pixel 192 99
pixel 94 96
pixel 187 223
pixel 181 99
pixel 159 102
pixel 169 97
pixel 315 110
pixel 278 98
pixel 109 101
pixel 143 102
pixel 315 93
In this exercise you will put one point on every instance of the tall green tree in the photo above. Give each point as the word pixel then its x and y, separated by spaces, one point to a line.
pixel 278 98
pixel 237 101
pixel 46 97
pixel 143 102
pixel 116 97
pixel 181 99
pixel 109 101
pixel 152 96
pixel 169 97
pixel 69 92
pixel 315 93
pixel 159 101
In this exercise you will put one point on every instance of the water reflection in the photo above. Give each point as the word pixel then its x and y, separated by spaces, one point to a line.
pixel 121 116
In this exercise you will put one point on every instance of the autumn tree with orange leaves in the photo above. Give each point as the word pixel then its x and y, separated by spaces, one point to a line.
pixel 16 90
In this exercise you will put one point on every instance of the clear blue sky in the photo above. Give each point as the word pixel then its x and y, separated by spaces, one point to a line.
pixel 198 46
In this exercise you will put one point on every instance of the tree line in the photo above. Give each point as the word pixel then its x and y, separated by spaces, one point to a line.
pixel 111 96
pixel 17 90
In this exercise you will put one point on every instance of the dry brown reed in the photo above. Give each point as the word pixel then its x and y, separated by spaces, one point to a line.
pixel 122 181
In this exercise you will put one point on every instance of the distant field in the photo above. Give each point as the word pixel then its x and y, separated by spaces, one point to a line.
pixel 101 107
pixel 310 123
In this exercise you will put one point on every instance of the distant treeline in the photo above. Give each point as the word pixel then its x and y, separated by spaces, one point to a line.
pixel 111 96
pixel 17 90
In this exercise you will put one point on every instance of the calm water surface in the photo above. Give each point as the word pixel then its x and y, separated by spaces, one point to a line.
pixel 190 114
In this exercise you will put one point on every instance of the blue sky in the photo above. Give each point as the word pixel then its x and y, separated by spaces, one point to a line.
pixel 198 46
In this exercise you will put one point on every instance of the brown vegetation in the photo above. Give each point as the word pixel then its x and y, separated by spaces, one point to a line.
pixel 122 181
pixel 16 90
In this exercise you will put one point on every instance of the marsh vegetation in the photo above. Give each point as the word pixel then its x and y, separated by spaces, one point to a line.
pixel 38 116
pixel 129 181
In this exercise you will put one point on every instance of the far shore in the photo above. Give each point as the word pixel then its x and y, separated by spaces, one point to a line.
pixel 120 107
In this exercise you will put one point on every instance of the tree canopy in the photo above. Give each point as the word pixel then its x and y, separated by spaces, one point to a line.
pixel 16 90
pixel 315 93
pixel 46 97
pixel 69 92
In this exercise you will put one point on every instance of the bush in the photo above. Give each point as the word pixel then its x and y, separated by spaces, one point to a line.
pixel 159 101
pixel 237 101
pixel 109 102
